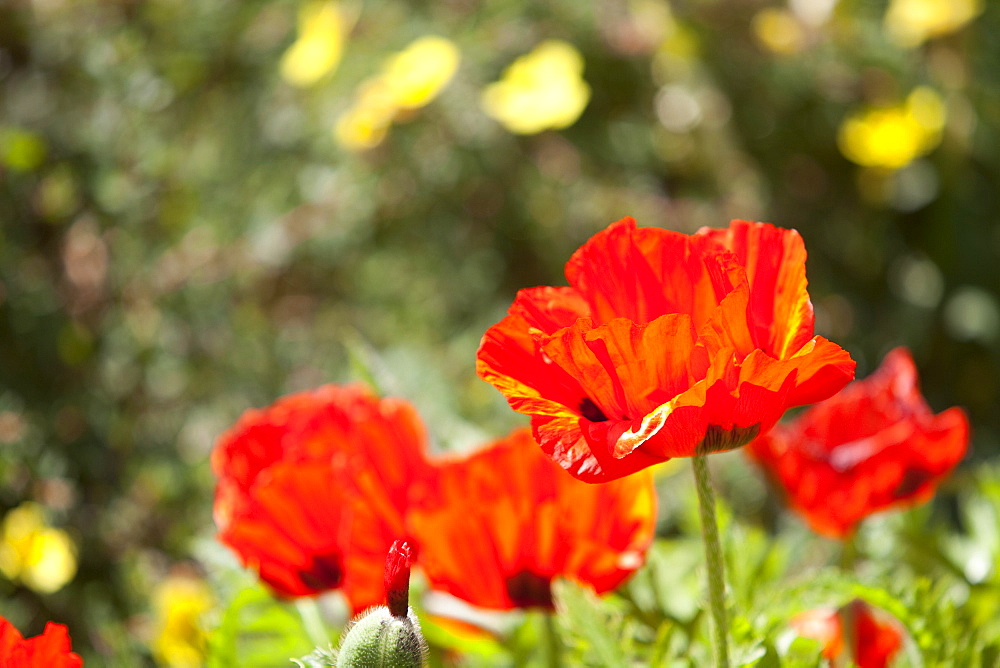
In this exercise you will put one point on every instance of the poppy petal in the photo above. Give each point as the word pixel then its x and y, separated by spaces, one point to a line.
pixel 313 490
pixel 873 446
pixel 781 314
pixel 496 527
pixel 641 274
pixel 51 649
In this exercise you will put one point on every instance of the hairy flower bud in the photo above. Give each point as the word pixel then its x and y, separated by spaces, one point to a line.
pixel 390 635
pixel 379 639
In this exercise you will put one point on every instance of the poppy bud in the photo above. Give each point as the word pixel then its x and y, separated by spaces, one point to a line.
pixel 387 635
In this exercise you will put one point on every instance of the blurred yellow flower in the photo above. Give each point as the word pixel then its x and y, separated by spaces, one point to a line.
pixel 539 91
pixel 779 31
pixel 180 605
pixel 39 556
pixel 365 124
pixel 417 74
pixel 892 137
pixel 316 53
pixel 409 79
pixel 911 22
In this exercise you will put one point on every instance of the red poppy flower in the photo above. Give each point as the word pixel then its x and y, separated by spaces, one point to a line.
pixel 313 490
pixel 50 650
pixel 875 638
pixel 664 345
pixel 873 446
pixel 495 528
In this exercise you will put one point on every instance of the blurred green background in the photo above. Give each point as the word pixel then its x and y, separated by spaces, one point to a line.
pixel 205 205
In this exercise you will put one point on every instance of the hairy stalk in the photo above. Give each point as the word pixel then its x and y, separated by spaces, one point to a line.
pixel 553 643
pixel 713 557
pixel 848 553
pixel 312 622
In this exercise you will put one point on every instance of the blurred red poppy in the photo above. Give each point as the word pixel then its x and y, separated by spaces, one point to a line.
pixel 52 649
pixel 665 345
pixel 313 490
pixel 495 528
pixel 872 638
pixel 873 446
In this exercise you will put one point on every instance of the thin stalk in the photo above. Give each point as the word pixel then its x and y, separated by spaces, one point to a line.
pixel 312 622
pixel 553 643
pixel 848 553
pixel 713 557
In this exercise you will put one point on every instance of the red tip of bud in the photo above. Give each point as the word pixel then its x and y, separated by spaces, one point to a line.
pixel 397 578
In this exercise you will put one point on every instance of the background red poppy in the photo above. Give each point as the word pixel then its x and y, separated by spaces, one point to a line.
pixel 313 489
pixel 875 638
pixel 51 649
pixel 873 446
pixel 496 527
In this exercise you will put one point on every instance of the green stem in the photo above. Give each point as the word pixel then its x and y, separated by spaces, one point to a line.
pixel 312 622
pixel 553 644
pixel 848 553
pixel 713 557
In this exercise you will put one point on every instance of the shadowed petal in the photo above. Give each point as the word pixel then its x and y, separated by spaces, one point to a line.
pixel 496 527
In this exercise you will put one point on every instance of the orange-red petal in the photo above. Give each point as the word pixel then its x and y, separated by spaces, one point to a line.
pixel 496 527
pixel 313 490
pixel 643 273
pixel 874 446
pixel 781 315
pixel 664 346
pixel 875 638
pixel 51 649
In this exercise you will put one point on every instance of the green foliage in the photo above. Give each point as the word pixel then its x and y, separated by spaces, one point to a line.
pixel 181 239
pixel 320 658
pixel 257 630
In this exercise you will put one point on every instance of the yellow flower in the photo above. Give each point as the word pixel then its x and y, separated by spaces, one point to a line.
pixel 409 80
pixel 892 137
pixel 779 31
pixel 317 51
pixel 539 91
pixel 180 605
pixel 365 124
pixel 417 74
pixel 39 556
pixel 911 22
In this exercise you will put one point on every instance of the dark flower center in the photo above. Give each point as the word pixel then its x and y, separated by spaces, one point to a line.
pixel 589 410
pixel 325 572
pixel 530 590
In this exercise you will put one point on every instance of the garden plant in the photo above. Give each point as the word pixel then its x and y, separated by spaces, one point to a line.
pixel 508 333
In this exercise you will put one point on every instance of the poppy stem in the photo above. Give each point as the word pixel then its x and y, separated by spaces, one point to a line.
pixel 312 622
pixel 848 553
pixel 553 643
pixel 713 557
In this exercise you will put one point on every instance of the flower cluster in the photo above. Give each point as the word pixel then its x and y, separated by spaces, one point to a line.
pixel 314 490
pixel 663 345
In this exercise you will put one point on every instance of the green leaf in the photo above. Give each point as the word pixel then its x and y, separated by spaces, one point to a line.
pixel 320 658
pixel 257 630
